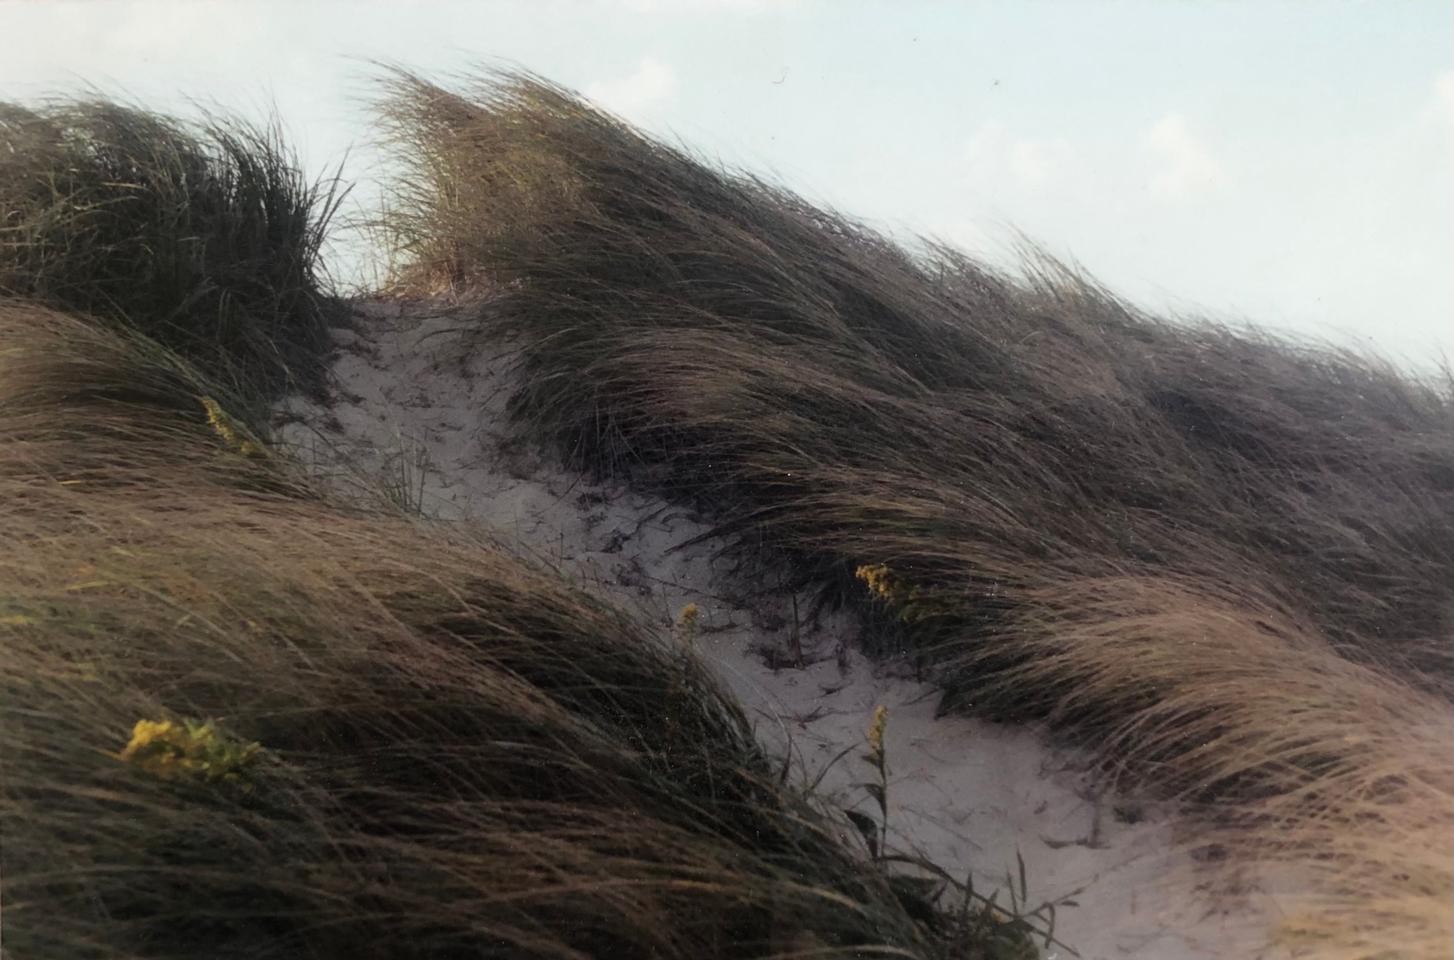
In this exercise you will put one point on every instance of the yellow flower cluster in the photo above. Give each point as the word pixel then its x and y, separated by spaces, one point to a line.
pixel 909 602
pixel 878 579
pixel 227 429
pixel 688 621
pixel 200 751
pixel 877 834
pixel 876 731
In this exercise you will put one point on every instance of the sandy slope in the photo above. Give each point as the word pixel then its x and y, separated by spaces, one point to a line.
pixel 967 794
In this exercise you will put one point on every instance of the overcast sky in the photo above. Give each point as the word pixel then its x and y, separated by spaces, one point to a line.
pixel 1290 164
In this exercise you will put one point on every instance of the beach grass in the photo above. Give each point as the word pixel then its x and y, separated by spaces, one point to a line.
pixel 205 234
pixel 1223 558
pixel 239 719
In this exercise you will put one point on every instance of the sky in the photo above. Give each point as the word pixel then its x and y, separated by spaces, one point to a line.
pixel 1284 164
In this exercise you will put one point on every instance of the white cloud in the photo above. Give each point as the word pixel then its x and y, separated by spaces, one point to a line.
pixel 995 154
pixel 649 85
pixel 1182 164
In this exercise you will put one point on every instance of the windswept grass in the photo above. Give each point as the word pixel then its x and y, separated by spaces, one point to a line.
pixel 237 721
pixel 205 236
pixel 1226 557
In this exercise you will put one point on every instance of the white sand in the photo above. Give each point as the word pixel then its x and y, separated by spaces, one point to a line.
pixel 965 793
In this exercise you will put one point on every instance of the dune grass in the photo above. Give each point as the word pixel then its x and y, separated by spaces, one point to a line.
pixel 206 235
pixel 240 721
pixel 1226 558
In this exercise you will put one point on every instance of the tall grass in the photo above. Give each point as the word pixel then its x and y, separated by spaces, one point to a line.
pixel 1227 558
pixel 413 747
pixel 206 236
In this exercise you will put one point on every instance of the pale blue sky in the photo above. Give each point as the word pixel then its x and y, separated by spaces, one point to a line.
pixel 1290 164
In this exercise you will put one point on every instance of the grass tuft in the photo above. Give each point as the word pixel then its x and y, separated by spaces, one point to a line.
pixel 205 236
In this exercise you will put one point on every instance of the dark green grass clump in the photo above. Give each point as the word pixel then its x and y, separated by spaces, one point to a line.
pixel 1227 558
pixel 357 738
pixel 205 236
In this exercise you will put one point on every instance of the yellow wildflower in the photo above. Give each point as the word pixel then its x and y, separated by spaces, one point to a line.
pixel 908 602
pixel 170 750
pixel 879 789
pixel 687 621
pixel 878 579
pixel 145 733
pixel 876 729
pixel 227 429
